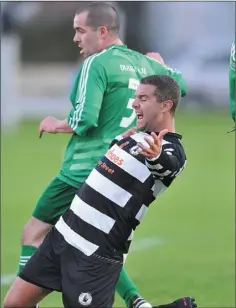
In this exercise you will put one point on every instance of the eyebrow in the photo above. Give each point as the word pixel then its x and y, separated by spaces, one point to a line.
pixel 142 95
pixel 78 28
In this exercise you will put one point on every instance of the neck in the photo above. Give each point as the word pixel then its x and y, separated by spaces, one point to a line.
pixel 167 124
pixel 113 41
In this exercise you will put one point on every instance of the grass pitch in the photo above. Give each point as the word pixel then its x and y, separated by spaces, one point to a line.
pixel 193 222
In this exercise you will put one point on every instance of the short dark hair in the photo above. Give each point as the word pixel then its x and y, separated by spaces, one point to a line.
pixel 102 14
pixel 166 89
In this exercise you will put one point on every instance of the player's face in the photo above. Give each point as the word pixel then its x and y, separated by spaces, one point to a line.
pixel 86 38
pixel 148 110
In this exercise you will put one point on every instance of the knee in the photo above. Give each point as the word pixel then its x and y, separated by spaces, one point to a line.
pixel 29 235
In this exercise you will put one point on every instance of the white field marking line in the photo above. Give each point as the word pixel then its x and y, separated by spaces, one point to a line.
pixel 7 279
pixel 137 245
pixel 145 243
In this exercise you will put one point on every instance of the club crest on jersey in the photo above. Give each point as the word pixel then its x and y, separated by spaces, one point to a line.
pixel 85 299
pixel 134 150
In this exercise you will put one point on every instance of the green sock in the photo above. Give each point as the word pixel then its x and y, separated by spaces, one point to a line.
pixel 125 287
pixel 26 253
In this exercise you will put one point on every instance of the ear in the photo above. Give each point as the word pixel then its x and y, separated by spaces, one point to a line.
pixel 167 105
pixel 103 31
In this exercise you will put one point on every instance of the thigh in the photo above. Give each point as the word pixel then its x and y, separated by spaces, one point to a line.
pixel 54 201
pixel 88 281
pixel 43 269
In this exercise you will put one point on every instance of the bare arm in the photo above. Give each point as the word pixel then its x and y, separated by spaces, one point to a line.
pixel 54 126
pixel 64 127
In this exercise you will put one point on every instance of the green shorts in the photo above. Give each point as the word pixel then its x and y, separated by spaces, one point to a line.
pixel 54 201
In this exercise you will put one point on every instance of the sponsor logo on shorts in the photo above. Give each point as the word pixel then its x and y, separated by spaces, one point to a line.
pixel 85 299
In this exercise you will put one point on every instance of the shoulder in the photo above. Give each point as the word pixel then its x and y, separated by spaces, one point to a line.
pixel 93 63
pixel 97 58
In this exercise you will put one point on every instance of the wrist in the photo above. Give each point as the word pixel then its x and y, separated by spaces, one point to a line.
pixel 153 158
pixel 58 126
pixel 61 126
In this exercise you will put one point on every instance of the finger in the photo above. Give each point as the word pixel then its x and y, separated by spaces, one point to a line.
pixel 156 139
pixel 134 128
pixel 147 152
pixel 162 134
pixel 153 150
pixel 40 133
pixel 149 141
pixel 132 131
pixel 129 132
pixel 153 146
pixel 145 149
pixel 144 153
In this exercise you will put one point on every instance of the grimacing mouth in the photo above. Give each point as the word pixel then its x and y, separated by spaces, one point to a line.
pixel 139 115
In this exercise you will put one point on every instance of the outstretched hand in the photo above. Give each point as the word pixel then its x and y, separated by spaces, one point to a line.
pixel 49 125
pixel 155 146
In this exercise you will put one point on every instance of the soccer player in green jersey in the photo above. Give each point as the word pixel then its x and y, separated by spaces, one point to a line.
pixel 101 99
pixel 232 81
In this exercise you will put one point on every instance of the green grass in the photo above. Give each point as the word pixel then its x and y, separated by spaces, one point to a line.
pixel 194 218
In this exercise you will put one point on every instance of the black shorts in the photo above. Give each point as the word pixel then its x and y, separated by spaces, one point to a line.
pixel 83 281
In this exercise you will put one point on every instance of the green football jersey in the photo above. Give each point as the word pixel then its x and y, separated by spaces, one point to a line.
pixel 232 81
pixel 101 99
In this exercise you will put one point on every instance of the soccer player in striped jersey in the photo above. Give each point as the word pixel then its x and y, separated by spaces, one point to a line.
pixel 101 100
pixel 83 255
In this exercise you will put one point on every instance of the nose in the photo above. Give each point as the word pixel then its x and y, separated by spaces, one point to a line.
pixel 76 38
pixel 135 104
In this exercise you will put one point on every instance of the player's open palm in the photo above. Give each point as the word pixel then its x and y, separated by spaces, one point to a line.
pixel 155 146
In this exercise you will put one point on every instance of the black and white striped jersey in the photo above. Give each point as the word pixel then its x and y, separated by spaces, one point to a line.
pixel 113 200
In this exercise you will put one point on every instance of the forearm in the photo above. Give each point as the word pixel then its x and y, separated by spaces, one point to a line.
pixel 63 127
pixel 163 165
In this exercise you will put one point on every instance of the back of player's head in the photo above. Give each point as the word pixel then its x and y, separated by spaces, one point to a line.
pixel 167 89
pixel 102 14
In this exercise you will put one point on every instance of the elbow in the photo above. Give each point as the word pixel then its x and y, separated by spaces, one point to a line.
pixel 85 127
